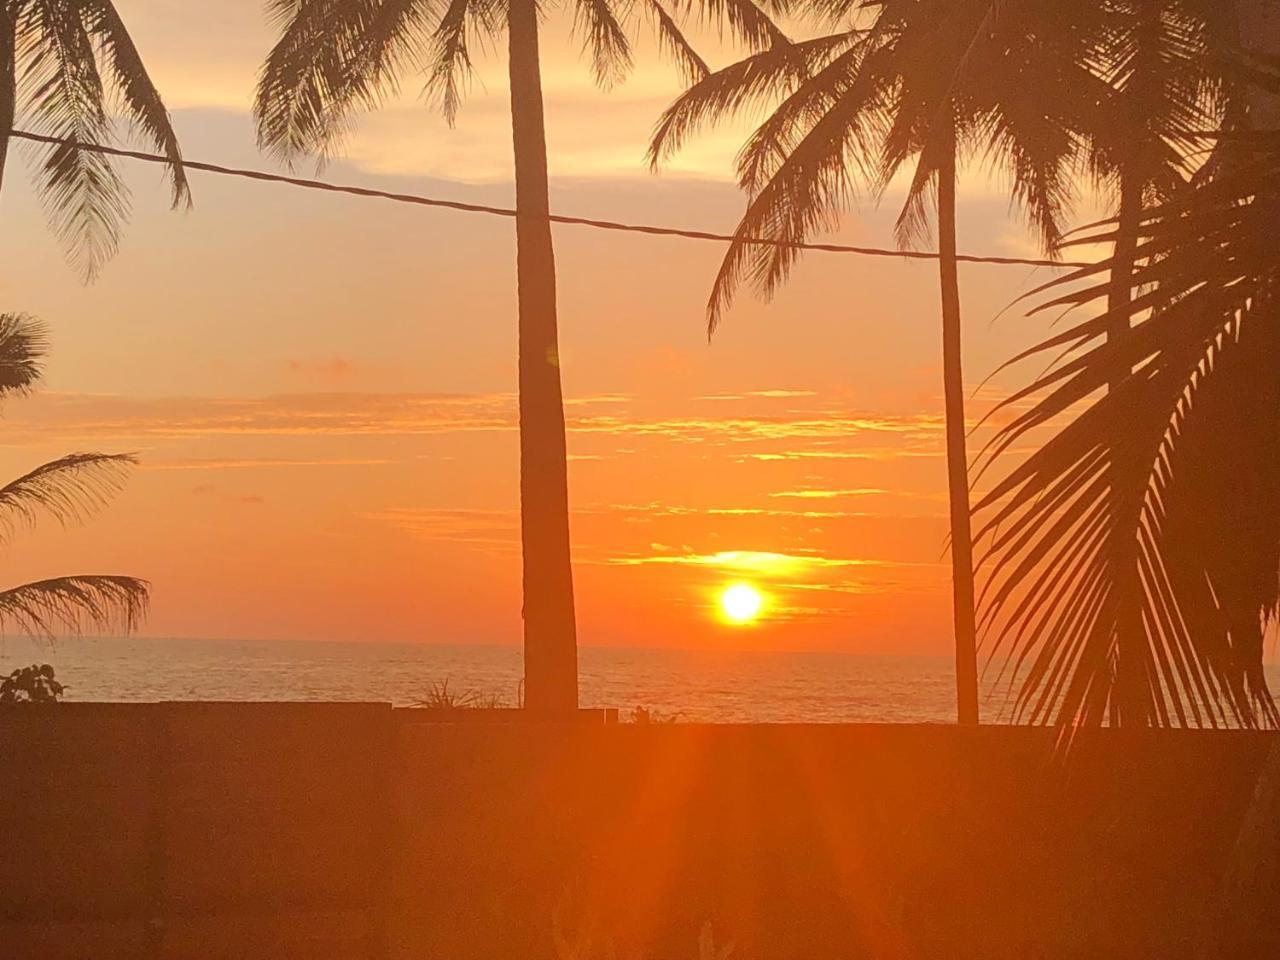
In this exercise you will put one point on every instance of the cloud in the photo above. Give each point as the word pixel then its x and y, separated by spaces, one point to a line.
pixel 147 420
pixel 212 463
pixel 830 494
pixel 762 395
pixel 763 563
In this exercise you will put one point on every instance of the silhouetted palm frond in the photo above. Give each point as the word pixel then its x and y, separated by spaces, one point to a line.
pixel 48 608
pixel 68 489
pixel 333 57
pixel 23 343
pixel 604 40
pixel 752 81
pixel 64 97
pixel 840 114
pixel 675 44
pixel 60 52
pixel 337 57
pixel 141 101
pixel 1159 470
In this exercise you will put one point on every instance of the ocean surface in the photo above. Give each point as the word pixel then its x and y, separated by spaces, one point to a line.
pixel 719 686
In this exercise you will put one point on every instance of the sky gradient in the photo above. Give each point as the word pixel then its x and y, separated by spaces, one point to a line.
pixel 320 388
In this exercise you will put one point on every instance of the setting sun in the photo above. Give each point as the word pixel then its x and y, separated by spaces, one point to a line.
pixel 741 603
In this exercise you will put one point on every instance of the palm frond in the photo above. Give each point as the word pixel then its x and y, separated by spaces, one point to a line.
pixel 334 57
pixel 450 67
pixel 69 489
pixel 141 100
pixel 63 97
pixel 604 39
pixel 48 608
pixel 811 184
pixel 672 41
pixel 1129 577
pixel 746 84
pixel 23 344
pixel 744 21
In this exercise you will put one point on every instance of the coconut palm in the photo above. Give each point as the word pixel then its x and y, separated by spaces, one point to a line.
pixel 336 57
pixel 67 489
pixel 925 84
pixel 1166 88
pixel 1166 404
pixel 1173 78
pixel 60 62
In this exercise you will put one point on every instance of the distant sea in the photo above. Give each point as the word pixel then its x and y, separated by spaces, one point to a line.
pixel 718 686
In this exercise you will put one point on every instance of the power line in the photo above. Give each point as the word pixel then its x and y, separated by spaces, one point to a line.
pixel 650 229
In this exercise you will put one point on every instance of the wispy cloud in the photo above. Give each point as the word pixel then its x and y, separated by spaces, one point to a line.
pixel 261 463
pixel 762 395
pixel 749 561
pixel 806 434
pixel 817 494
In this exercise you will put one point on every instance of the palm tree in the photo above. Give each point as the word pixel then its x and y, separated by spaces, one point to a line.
pixel 1165 402
pixel 60 60
pixel 68 489
pixel 1167 88
pixel 929 82
pixel 335 57
pixel 1082 604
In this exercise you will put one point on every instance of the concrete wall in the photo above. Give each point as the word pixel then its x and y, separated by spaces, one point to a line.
pixel 331 830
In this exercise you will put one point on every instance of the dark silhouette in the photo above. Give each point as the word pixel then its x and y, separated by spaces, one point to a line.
pixel 337 57
pixel 33 684
pixel 60 62
pixel 68 489
pixel 1181 378
pixel 1164 64
pixel 929 84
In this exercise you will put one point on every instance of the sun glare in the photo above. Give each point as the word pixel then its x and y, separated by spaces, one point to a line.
pixel 741 603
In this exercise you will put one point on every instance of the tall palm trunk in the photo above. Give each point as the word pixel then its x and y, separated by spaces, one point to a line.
pixel 8 79
pixel 550 636
pixel 957 454
pixel 1130 705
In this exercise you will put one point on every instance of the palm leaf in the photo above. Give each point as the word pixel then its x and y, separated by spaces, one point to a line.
pixel 334 57
pixel 23 344
pixel 63 97
pixel 753 81
pixel 138 94
pixel 69 489
pixel 604 39
pixel 47 608
pixel 450 67
pixel 672 41
pixel 1130 576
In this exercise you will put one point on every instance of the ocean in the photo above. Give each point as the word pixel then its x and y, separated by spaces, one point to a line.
pixel 714 686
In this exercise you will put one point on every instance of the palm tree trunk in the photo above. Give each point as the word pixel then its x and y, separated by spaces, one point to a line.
pixel 1130 702
pixel 8 80
pixel 550 637
pixel 957 455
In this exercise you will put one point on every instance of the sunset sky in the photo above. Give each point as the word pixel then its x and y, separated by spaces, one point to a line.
pixel 321 387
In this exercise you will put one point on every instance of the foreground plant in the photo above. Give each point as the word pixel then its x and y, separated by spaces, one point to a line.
pixel 68 489
pixel 1163 423
pixel 33 684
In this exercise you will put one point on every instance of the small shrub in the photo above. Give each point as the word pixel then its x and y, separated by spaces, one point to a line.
pixel 33 684
pixel 646 715
pixel 441 697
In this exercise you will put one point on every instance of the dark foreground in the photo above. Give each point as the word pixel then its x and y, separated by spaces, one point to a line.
pixel 338 830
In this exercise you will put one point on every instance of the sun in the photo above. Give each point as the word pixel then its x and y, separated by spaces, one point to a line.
pixel 741 603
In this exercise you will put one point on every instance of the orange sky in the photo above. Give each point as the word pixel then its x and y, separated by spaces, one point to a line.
pixel 321 387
